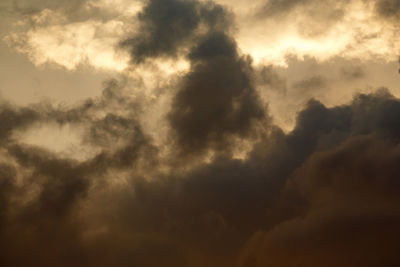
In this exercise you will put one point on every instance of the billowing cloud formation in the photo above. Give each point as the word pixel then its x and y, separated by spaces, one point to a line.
pixel 218 98
pixel 388 8
pixel 326 190
pixel 87 31
pixel 350 218
pixel 166 27
pixel 321 29
pixel 220 183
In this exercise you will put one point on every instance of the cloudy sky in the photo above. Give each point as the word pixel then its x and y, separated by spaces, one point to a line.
pixel 192 133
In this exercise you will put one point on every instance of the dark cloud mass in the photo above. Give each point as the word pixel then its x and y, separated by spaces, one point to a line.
pixel 326 190
pixel 165 26
pixel 351 217
pixel 217 99
pixel 168 26
pixel 326 193
pixel 388 8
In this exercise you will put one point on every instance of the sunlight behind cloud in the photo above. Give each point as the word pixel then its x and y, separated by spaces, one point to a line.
pixel 74 44
pixel 358 35
pixel 63 140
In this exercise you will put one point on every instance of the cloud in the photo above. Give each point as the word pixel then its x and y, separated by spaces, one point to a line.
pixel 328 175
pixel 75 10
pixel 167 27
pixel 353 72
pixel 316 29
pixel 93 32
pixel 43 193
pixel 348 191
pixel 13 118
pixel 350 219
pixel 277 7
pixel 388 8
pixel 323 193
pixel 295 198
pixel 267 76
pixel 164 27
pixel 315 82
pixel 217 100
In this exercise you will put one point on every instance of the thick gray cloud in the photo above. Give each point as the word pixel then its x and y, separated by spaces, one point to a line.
pixel 217 100
pixel 351 215
pixel 295 189
pixel 324 193
pixel 41 212
pixel 12 117
pixel 388 8
pixel 228 207
pixel 168 26
pixel 165 26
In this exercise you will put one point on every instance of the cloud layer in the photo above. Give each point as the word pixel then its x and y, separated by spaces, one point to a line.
pixel 192 167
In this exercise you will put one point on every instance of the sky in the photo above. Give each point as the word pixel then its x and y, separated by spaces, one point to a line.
pixel 190 133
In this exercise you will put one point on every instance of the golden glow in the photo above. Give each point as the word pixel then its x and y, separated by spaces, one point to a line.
pixel 64 140
pixel 74 44
pixel 359 34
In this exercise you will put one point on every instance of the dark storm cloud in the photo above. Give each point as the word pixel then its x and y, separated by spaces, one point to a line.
pixel 325 193
pixel 168 26
pixel 55 169
pixel 297 198
pixel 165 26
pixel 388 8
pixel 53 188
pixel 13 117
pixel 111 128
pixel 56 173
pixel 348 187
pixel 297 195
pixel 352 210
pixel 217 100
pixel 137 145
pixel 113 99
pixel 7 176
pixel 42 192
pixel 62 181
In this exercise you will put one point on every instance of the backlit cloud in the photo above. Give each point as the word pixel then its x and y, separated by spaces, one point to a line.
pixel 224 133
